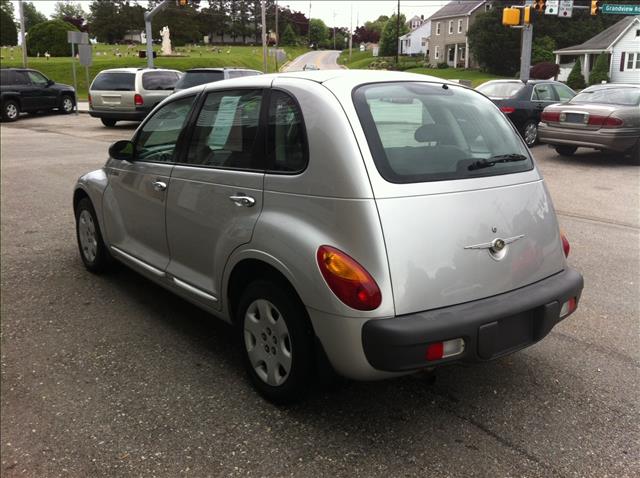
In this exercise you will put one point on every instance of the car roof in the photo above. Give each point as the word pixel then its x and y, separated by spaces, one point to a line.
pixel 134 70
pixel 223 68
pixel 611 85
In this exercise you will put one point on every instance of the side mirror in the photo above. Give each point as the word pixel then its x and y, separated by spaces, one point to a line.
pixel 50 82
pixel 122 150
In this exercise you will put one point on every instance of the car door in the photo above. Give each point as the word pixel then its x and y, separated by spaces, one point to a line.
pixel 28 94
pixel 543 95
pixel 135 198
pixel 46 96
pixel 215 194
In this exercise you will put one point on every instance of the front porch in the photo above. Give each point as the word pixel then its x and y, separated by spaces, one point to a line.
pixel 456 55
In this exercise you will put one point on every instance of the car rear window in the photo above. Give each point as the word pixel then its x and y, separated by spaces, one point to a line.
pixel 501 90
pixel 240 73
pixel 195 78
pixel 420 131
pixel 114 82
pixel 159 80
pixel 610 96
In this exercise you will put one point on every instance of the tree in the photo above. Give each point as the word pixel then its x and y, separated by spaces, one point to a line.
pixel 32 16
pixel 8 30
pixel 319 31
pixel 67 9
pixel 389 37
pixel 106 22
pixel 7 7
pixel 494 46
pixel 575 79
pixel 50 36
pixel 600 70
pixel 288 37
pixel 364 34
pixel 542 50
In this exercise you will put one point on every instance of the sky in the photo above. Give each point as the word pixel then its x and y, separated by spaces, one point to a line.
pixel 361 10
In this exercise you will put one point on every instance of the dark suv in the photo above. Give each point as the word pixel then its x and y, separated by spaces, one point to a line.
pixel 28 90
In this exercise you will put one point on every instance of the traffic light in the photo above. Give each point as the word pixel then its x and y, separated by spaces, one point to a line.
pixel 595 7
pixel 511 16
pixel 539 5
pixel 526 19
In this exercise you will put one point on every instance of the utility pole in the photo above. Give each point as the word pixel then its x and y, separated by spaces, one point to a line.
pixel 148 16
pixel 351 31
pixel 334 29
pixel 275 54
pixel 264 36
pixel 398 32
pixel 309 28
pixel 525 59
pixel 22 35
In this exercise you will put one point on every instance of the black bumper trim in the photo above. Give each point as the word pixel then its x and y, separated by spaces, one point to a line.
pixel 138 115
pixel 490 327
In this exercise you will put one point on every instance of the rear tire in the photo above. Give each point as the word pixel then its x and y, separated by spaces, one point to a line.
pixel 530 133
pixel 566 150
pixel 109 123
pixel 634 154
pixel 10 110
pixel 66 105
pixel 94 253
pixel 277 341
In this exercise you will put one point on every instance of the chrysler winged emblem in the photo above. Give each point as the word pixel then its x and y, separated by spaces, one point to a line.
pixel 497 245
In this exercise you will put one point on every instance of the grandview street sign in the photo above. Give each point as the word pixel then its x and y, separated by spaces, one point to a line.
pixel 612 8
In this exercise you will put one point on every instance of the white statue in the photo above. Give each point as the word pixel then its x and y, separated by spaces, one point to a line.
pixel 166 40
pixel 143 38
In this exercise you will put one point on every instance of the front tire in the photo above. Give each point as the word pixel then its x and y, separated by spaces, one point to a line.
pixel 109 123
pixel 277 341
pixel 94 253
pixel 530 133
pixel 566 150
pixel 10 110
pixel 66 105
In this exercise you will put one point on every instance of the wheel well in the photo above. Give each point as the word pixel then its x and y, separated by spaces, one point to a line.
pixel 248 270
pixel 78 195
pixel 11 98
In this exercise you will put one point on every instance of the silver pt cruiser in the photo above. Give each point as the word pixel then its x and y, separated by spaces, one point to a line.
pixel 387 222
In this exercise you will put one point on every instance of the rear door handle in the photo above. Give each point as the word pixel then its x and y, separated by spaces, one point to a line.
pixel 242 200
pixel 159 185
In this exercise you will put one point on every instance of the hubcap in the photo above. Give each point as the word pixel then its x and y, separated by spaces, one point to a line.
pixel 12 111
pixel 530 134
pixel 87 235
pixel 267 341
pixel 67 104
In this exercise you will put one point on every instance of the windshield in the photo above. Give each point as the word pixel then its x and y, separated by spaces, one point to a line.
pixel 429 132
pixel 195 78
pixel 610 96
pixel 501 90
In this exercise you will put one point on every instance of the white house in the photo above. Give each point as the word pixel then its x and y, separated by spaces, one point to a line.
pixel 621 44
pixel 415 22
pixel 416 42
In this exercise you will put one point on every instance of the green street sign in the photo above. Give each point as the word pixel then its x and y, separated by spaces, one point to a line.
pixel 616 9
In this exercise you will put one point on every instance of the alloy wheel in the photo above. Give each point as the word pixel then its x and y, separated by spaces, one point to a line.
pixel 11 111
pixel 87 235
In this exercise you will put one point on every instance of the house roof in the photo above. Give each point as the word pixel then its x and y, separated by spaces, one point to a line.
pixel 457 8
pixel 603 40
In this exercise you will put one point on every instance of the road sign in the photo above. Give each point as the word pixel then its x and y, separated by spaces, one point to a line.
pixel 616 9
pixel 552 7
pixel 86 58
pixel 565 9
pixel 81 38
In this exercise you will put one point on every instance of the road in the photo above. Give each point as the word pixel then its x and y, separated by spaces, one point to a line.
pixel 112 376
pixel 322 59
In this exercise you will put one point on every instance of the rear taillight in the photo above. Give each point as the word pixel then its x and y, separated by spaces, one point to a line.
pixel 566 247
pixel 605 121
pixel 550 116
pixel 440 350
pixel 507 109
pixel 137 99
pixel 89 98
pixel 568 307
pixel 348 280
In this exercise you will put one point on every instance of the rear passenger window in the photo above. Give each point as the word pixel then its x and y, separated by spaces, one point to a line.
pixel 114 82
pixel 286 140
pixel 226 131
pixel 4 77
pixel 543 93
pixel 159 80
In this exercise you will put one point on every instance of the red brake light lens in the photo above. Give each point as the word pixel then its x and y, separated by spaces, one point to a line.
pixel 507 109
pixel 605 121
pixel 566 247
pixel 137 99
pixel 89 98
pixel 550 116
pixel 348 280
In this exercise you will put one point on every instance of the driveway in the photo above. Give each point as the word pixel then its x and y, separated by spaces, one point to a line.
pixel 324 60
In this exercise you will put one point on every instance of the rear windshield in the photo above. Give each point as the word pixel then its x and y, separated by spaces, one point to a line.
pixel 195 78
pixel 420 131
pixel 114 82
pixel 239 73
pixel 159 80
pixel 501 90
pixel 610 96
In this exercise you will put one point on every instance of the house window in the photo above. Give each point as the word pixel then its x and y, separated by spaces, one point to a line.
pixel 459 26
pixel 437 56
pixel 408 42
pixel 450 27
pixel 487 7
pixel 633 61
pixel 423 42
pixel 437 28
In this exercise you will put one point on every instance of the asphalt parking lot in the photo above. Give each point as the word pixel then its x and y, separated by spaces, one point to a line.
pixel 112 376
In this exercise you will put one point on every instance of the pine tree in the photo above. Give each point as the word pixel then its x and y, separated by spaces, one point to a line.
pixel 600 70
pixel 576 80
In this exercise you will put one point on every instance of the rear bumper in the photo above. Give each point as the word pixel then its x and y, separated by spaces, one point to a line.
pixel 138 114
pixel 490 327
pixel 620 140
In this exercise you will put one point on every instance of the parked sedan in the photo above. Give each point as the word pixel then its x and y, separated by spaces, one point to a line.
pixel 604 117
pixel 523 102
pixel 380 222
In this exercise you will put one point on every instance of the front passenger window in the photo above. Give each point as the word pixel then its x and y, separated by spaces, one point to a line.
pixel 158 137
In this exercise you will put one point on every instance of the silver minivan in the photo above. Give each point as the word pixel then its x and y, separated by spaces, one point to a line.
pixel 129 94
pixel 380 222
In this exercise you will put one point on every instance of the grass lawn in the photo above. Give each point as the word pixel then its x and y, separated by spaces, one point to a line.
pixel 60 69
pixel 362 60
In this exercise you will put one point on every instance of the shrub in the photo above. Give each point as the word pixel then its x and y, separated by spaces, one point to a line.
pixel 576 80
pixel 600 70
pixel 443 65
pixel 544 71
pixel 288 37
pixel 50 36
